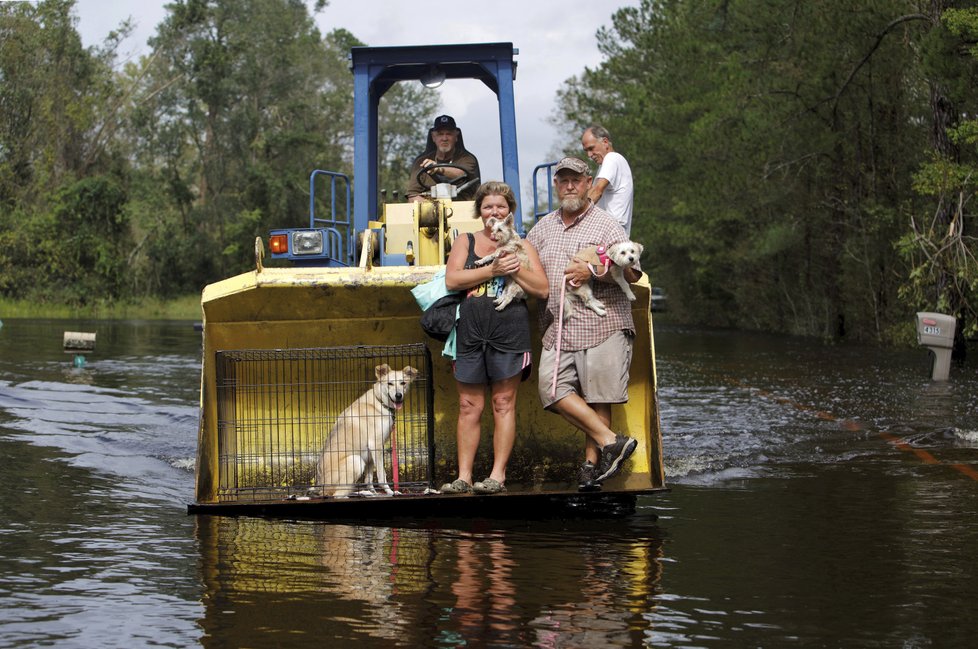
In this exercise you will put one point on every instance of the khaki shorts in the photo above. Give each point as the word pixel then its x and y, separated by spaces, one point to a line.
pixel 598 375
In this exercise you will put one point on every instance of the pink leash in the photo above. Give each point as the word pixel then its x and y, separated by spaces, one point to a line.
pixel 560 331
pixel 606 264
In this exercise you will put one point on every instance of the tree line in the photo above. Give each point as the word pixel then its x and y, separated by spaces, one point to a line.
pixel 800 167
pixel 153 178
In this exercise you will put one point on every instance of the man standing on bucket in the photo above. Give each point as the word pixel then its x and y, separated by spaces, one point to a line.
pixel 612 188
pixel 595 352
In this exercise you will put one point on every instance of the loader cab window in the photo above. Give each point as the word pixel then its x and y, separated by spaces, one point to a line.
pixel 444 160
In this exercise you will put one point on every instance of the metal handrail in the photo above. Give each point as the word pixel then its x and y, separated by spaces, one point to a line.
pixel 550 190
pixel 332 224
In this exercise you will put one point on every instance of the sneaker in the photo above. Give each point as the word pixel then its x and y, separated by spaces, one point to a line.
pixel 614 455
pixel 585 477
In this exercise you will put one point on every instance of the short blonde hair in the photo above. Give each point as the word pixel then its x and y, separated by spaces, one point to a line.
pixel 494 188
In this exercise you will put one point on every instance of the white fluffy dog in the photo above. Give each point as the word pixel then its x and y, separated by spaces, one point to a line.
pixel 507 239
pixel 614 260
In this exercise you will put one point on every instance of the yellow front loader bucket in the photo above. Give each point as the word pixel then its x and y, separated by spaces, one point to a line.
pixel 286 349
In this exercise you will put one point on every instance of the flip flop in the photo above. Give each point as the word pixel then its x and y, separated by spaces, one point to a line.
pixel 457 487
pixel 488 486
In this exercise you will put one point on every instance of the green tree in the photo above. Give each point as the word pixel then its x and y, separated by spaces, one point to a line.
pixel 773 145
pixel 236 114
pixel 941 243
pixel 155 179
pixel 242 100
pixel 59 170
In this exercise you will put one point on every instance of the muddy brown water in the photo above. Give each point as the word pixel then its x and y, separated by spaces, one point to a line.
pixel 821 496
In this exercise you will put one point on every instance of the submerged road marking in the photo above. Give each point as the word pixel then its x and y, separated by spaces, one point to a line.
pixel 927 458
pixel 854 426
pixel 967 470
pixel 924 456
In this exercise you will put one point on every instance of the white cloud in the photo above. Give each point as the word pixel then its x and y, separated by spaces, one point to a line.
pixel 555 39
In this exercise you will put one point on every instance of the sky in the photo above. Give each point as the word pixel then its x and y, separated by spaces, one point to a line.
pixel 555 38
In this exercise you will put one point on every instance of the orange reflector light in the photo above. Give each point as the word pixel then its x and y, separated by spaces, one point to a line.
pixel 279 243
pixel 929 321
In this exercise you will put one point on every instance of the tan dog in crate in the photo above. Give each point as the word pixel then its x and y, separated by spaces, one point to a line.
pixel 354 450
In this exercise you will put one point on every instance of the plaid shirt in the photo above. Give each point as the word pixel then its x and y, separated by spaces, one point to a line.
pixel 556 244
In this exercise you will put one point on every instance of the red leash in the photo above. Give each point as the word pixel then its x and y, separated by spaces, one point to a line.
pixel 394 461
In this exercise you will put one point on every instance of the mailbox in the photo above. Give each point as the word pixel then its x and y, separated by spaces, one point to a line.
pixel 79 343
pixel 935 331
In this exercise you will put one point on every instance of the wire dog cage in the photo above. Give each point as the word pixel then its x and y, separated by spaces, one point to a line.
pixel 289 420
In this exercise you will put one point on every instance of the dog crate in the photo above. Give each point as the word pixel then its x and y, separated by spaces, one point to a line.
pixel 276 409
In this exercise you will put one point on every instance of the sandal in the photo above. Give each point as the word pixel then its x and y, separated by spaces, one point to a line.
pixel 488 486
pixel 459 486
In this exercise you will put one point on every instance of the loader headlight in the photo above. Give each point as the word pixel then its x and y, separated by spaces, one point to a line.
pixel 307 242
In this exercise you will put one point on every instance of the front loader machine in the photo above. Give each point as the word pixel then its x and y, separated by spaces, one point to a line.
pixel 287 349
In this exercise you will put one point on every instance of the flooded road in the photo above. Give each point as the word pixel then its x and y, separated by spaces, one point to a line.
pixel 820 496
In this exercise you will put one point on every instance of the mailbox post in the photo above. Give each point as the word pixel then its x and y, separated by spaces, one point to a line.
pixel 935 331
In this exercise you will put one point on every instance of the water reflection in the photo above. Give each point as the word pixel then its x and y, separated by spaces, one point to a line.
pixel 782 527
pixel 77 375
pixel 485 597
pixel 412 586
pixel 616 601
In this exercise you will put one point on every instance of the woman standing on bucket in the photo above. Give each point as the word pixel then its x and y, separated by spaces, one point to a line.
pixel 492 347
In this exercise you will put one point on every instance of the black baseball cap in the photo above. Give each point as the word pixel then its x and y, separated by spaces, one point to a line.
pixel 444 121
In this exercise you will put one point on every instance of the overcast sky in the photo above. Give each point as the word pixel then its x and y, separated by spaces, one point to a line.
pixel 555 39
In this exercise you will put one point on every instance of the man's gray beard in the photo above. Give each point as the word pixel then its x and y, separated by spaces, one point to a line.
pixel 572 203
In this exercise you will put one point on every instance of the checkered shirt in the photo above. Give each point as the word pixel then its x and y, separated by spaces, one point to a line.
pixel 556 244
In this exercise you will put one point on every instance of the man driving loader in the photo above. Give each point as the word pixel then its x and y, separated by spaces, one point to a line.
pixel 445 160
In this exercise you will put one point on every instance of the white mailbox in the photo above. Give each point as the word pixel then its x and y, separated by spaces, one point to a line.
pixel 935 331
pixel 79 343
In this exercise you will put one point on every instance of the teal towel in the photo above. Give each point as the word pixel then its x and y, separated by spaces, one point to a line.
pixel 430 292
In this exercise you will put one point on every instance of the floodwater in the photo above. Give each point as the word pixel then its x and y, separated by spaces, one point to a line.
pixel 821 496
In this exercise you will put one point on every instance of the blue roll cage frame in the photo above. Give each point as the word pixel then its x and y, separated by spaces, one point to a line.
pixel 375 71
